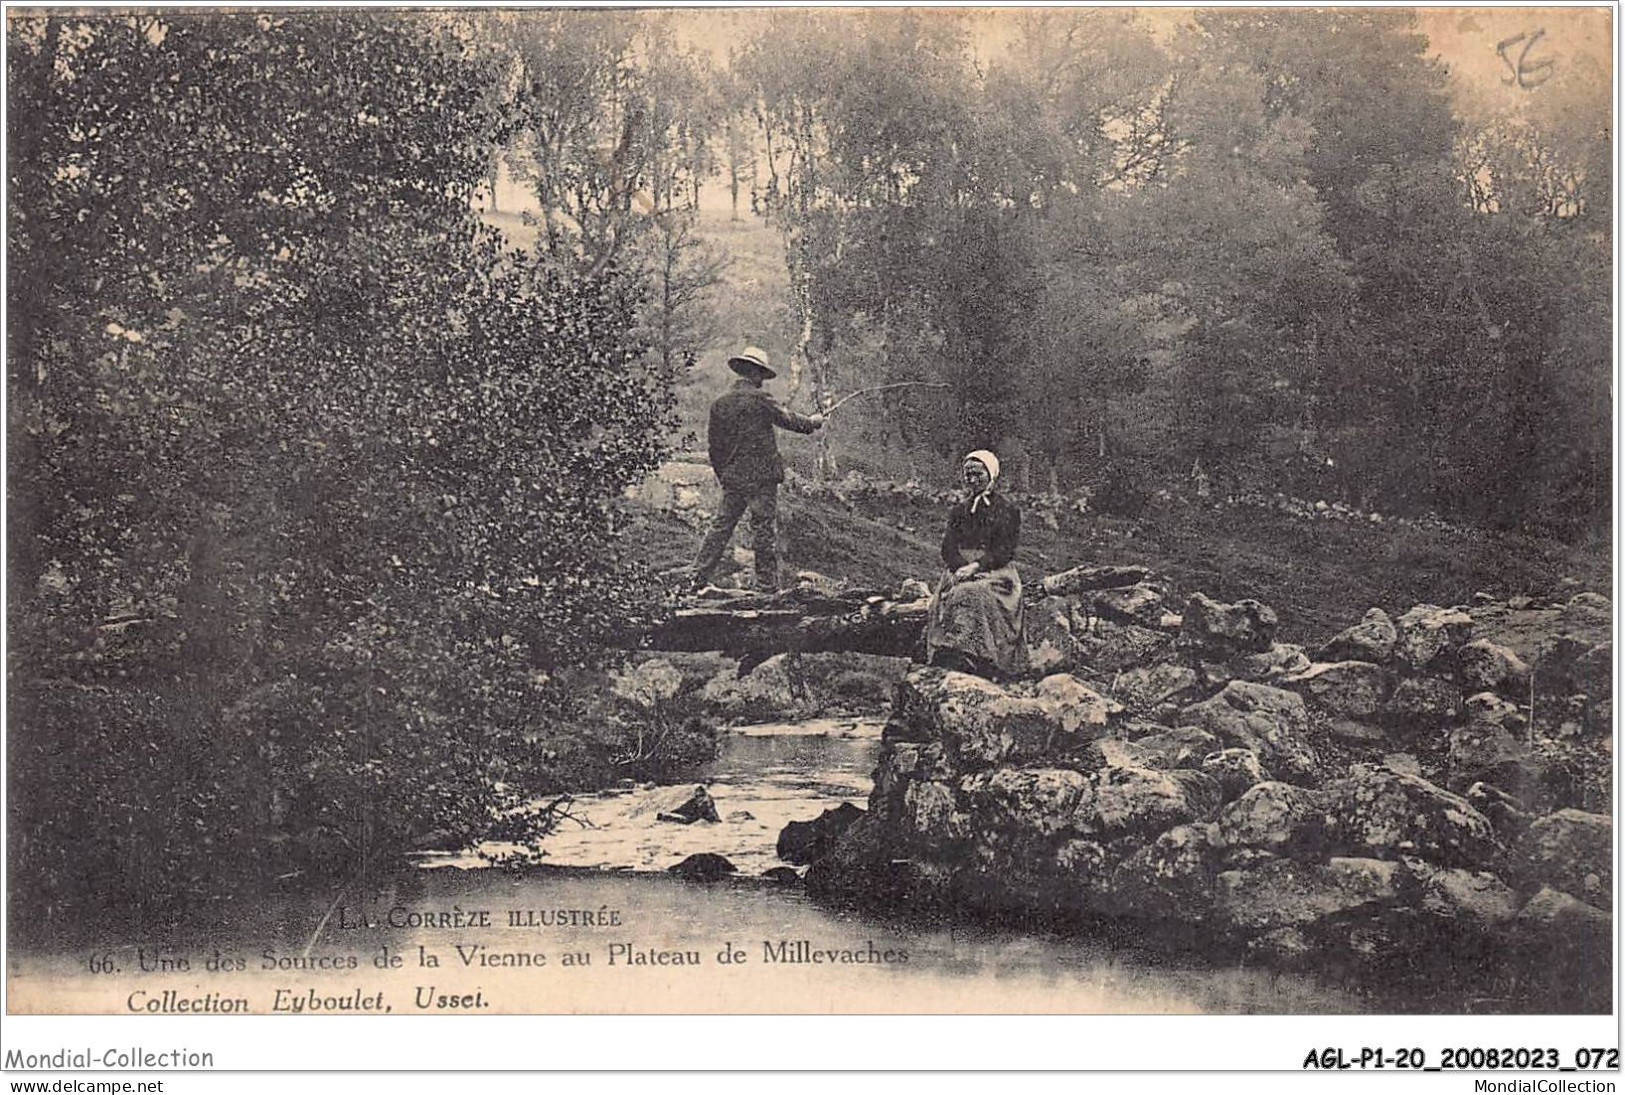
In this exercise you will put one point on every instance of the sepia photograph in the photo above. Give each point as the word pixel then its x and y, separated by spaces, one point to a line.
pixel 868 511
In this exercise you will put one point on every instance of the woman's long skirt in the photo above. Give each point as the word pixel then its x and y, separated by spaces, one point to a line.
pixel 981 617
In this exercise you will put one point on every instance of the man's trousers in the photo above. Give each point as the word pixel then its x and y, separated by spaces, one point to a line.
pixel 763 504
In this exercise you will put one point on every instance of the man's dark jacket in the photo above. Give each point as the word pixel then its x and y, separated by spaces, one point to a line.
pixel 744 452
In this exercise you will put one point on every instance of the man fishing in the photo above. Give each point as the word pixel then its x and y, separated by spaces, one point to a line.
pixel 745 457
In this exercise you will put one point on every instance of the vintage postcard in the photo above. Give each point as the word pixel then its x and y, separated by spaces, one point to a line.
pixel 861 511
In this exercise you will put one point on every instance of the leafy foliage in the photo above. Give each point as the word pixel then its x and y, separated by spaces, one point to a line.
pixel 313 489
pixel 1267 223
pixel 313 492
pixel 613 126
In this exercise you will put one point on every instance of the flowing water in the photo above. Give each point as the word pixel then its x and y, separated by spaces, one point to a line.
pixel 763 778
pixel 604 928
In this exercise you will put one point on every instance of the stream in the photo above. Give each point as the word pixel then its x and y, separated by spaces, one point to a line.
pixel 504 940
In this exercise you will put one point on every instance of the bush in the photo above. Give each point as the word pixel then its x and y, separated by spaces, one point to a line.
pixel 1122 492
pixel 313 489
pixel 636 724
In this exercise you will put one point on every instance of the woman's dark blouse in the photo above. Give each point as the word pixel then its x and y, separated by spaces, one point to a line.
pixel 994 527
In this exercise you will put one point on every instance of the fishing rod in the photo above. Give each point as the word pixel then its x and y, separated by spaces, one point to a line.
pixel 831 409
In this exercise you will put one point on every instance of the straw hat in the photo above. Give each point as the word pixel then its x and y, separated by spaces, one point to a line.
pixel 752 361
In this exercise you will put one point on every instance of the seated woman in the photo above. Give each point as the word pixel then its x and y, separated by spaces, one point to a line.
pixel 975 624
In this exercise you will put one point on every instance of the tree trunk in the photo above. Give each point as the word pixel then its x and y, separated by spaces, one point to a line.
pixel 756 625
pixel 846 625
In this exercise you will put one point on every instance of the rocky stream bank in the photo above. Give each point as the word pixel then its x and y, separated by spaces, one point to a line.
pixel 1405 799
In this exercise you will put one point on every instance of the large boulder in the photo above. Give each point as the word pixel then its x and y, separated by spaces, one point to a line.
pixel 1505 811
pixel 1489 747
pixel 1553 915
pixel 1141 801
pixel 1572 851
pixel 1487 707
pixel 981 724
pixel 1237 770
pixel 1051 645
pixel 1430 636
pixel 1149 687
pixel 1572 942
pixel 1423 702
pixel 1363 736
pixel 1352 690
pixel 917 701
pixel 1483 666
pixel 1204 794
pixel 1220 630
pixel 680 805
pixel 768 690
pixel 1370 640
pixel 1273 723
pixel 1387 814
pixel 1175 747
pixel 1588 610
pixel 1109 645
pixel 1036 803
pixel 803 842
pixel 1171 878
pixel 1283 893
pixel 1475 899
pixel 1571 664
pixel 1082 713
pixel 703 867
pixel 648 683
pixel 858 866
pixel 931 818
pixel 1269 667
pixel 1140 604
pixel 1567 946
pixel 1277 817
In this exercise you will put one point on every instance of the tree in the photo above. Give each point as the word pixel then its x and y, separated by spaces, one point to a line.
pixel 1251 280
pixel 313 488
pixel 684 269
pixel 1072 125
pixel 866 125
pixel 738 128
pixel 944 223
pixel 618 118
pixel 1538 285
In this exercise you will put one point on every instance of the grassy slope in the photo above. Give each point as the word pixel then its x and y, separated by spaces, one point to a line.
pixel 1319 575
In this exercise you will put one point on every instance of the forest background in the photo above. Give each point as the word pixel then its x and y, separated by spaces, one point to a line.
pixel 337 339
